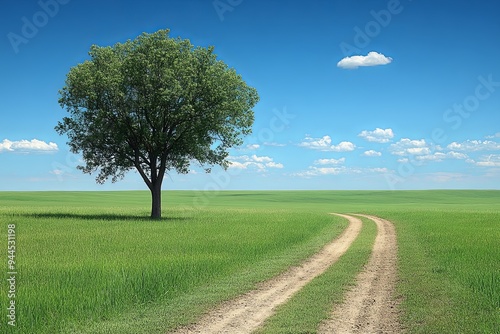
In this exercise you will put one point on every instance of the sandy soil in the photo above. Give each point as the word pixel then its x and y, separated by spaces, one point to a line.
pixel 247 312
pixel 371 306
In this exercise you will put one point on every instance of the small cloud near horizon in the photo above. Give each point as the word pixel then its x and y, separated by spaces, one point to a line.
pixel 261 163
pixel 325 144
pixel 496 135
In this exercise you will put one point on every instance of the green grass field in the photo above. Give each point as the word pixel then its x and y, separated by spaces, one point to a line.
pixel 91 262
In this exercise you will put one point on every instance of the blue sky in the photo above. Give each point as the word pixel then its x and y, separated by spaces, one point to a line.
pixel 353 94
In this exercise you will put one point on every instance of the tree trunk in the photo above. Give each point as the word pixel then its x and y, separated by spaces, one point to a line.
pixel 156 201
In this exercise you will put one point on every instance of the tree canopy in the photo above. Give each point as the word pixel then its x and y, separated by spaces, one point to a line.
pixel 154 104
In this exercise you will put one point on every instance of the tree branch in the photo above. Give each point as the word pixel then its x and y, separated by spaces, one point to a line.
pixel 138 166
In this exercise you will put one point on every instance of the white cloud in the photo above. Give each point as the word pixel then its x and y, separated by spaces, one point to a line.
pixel 274 144
pixel 6 145
pixel 345 146
pixel 380 170
pixel 27 146
pixel 240 158
pixel 260 163
pixel 372 59
pixel 317 171
pixel 57 172
pixel 372 153
pixel 63 173
pixel 409 142
pixel 317 144
pixel 252 147
pixel 475 145
pixel 408 146
pixel 273 164
pixel 329 161
pixel 325 144
pixel 439 156
pixel 492 160
pixel 488 163
pixel 496 135
pixel 239 165
pixel 329 170
pixel 322 171
pixel 423 151
pixel 378 135
pixel 418 150
pixel 456 155
pixel 261 159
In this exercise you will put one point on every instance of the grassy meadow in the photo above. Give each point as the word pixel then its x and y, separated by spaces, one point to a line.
pixel 91 262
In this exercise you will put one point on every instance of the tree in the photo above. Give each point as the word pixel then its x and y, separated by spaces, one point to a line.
pixel 154 104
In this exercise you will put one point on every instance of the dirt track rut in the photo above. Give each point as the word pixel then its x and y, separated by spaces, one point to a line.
pixel 247 312
pixel 371 307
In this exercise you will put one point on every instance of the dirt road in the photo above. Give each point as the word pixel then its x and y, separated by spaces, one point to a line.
pixel 370 307
pixel 249 311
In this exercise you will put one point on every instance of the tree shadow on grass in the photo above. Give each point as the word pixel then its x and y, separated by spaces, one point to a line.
pixel 101 216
